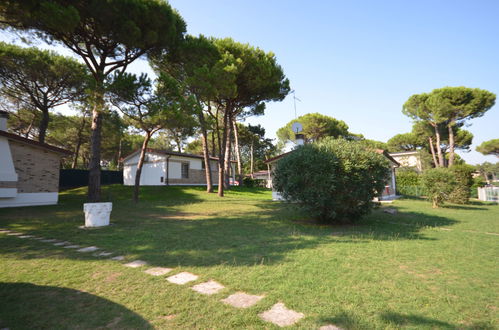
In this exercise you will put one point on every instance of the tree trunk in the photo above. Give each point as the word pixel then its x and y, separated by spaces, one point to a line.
pixel 439 149
pixel 44 124
pixel 432 149
pixel 251 159
pixel 138 172
pixel 95 145
pixel 30 127
pixel 78 142
pixel 227 164
pixel 221 152
pixel 451 145
pixel 206 153
pixel 238 151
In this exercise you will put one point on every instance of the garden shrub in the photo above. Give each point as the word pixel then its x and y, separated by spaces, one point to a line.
pixel 333 180
pixel 439 184
pixel 408 182
pixel 464 181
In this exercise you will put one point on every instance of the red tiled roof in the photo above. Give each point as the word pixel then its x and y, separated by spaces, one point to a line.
pixel 21 139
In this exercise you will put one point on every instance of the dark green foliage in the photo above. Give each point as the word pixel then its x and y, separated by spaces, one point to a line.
pixel 478 182
pixel 464 181
pixel 490 147
pixel 333 180
pixel 439 183
pixel 408 182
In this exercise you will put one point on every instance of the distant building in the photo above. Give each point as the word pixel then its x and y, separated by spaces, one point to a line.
pixel 162 167
pixel 29 170
pixel 263 175
pixel 408 159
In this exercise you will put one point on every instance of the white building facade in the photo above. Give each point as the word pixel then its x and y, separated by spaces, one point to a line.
pixel 163 167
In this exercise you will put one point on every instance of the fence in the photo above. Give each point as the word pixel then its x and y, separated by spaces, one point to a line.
pixel 69 178
pixel 489 194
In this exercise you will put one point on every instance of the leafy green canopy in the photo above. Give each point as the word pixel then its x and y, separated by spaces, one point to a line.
pixel 490 147
pixel 106 34
pixel 39 80
pixel 315 127
pixel 334 180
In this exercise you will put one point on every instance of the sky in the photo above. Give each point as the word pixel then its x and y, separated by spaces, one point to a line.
pixel 359 61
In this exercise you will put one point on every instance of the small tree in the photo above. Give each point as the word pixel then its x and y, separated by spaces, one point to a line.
pixel 438 184
pixel 334 180
pixel 146 109
pixel 490 147
pixel 40 80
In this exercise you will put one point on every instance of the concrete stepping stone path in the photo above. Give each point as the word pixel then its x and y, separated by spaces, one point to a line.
pixel 25 236
pixel 88 249
pixel 158 271
pixel 208 288
pixel 242 300
pixel 49 240
pixel 62 243
pixel 330 327
pixel 103 254
pixel 136 264
pixel 182 278
pixel 72 247
pixel 15 234
pixel 118 258
pixel 281 316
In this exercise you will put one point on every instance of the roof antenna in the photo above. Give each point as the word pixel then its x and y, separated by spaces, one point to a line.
pixel 294 100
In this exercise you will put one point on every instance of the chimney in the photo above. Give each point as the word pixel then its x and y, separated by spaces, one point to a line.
pixel 299 139
pixel 4 115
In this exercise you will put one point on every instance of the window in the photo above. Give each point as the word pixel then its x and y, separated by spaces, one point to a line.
pixel 185 170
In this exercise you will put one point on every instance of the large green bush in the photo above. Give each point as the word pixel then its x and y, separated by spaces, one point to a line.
pixel 334 180
pixel 464 181
pixel 439 184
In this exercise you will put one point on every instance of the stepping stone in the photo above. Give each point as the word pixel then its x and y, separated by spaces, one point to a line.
pixel 136 264
pixel 210 287
pixel 62 243
pixel 3 231
pixel 15 234
pixel 242 300
pixel 88 249
pixel 25 236
pixel 103 254
pixel 330 327
pixel 182 278
pixel 48 240
pixel 281 316
pixel 118 258
pixel 158 271
pixel 72 247
pixel 39 238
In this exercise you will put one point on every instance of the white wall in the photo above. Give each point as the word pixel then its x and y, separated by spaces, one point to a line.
pixel 150 176
pixel 30 199
pixel 7 170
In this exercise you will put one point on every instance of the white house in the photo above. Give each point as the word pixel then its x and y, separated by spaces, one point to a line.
pixel 29 170
pixel 408 159
pixel 162 167
pixel 390 187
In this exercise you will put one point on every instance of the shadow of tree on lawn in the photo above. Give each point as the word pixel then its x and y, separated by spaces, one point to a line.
pixel 29 306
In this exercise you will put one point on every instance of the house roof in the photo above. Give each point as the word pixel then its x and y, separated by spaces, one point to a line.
pixel 379 151
pixel 167 152
pixel 34 143
pixel 404 153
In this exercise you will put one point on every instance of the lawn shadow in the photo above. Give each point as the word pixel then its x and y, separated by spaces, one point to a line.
pixel 404 320
pixel 29 306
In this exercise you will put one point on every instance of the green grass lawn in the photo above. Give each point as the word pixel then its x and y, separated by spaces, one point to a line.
pixel 420 268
